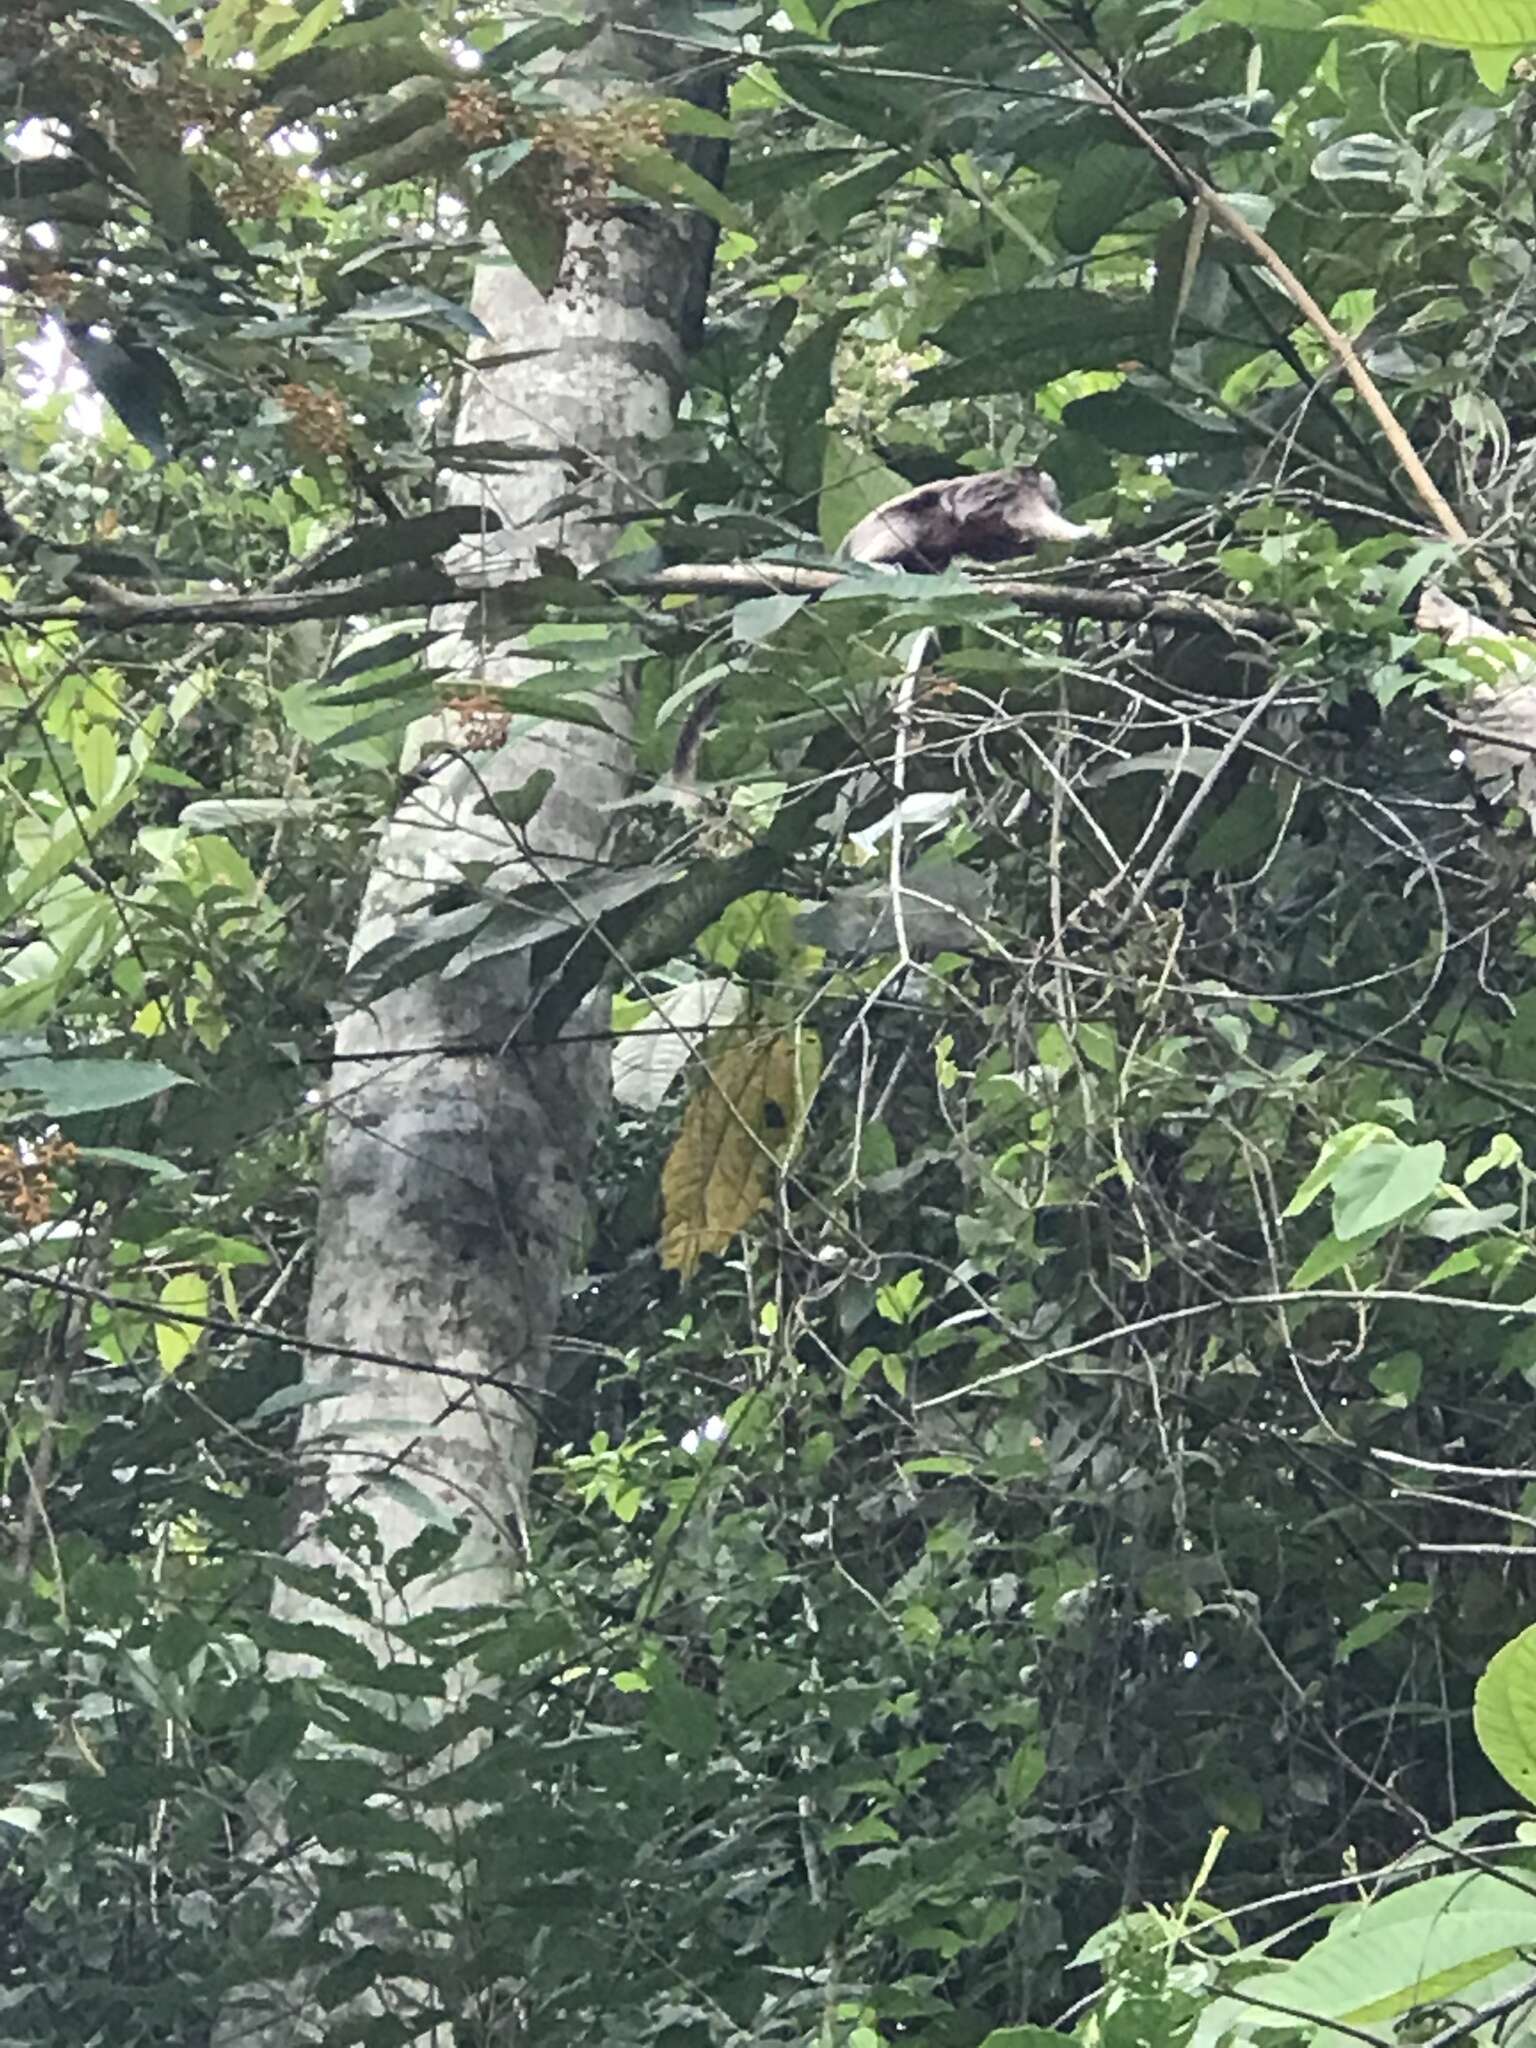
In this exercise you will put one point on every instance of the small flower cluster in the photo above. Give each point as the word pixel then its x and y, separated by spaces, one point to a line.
pixel 27 1185
pixel 317 418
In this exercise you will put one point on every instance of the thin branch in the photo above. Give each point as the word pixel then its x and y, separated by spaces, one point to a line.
pixel 1311 2019
pixel 1523 1472
pixel 1496 2009
pixel 226 1326
pixel 1192 186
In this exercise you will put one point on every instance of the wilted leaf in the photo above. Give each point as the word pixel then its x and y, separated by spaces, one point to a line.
pixel 738 1127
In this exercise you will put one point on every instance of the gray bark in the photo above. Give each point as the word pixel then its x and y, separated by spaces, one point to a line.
pixel 452 1207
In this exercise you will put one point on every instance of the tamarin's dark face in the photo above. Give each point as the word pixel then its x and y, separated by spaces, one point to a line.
pixel 988 518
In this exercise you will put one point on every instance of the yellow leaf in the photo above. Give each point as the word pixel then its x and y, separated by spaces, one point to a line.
pixel 740 1126
pixel 183 1291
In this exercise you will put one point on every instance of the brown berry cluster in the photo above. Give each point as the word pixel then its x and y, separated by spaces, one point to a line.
pixel 52 287
pixel 485 721
pixel 256 186
pixel 212 104
pixel 478 116
pixel 317 418
pixel 27 1185
pixel 591 146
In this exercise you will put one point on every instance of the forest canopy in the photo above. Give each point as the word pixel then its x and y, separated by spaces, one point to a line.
pixel 996 1220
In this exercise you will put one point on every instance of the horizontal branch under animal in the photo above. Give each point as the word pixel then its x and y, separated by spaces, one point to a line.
pixel 106 608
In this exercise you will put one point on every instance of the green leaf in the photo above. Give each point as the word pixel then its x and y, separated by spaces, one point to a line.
pixel 836 200
pixel 1335 1151
pixel 519 807
pixel 1017 341
pixel 532 231
pixel 321 16
pixel 1135 422
pixel 797 404
pixel 1025 1770
pixel 1418 1946
pixel 272 1739
pixel 183 1292
pixel 97 755
pixel 1108 182
pixel 660 175
pixel 1456 24
pixel 1504 1713
pixel 77 1087
pixel 679 1715
pixel 1385 1618
pixel 141 1162
pixel 410 302
pixel 393 541
pixel 889 110
pixel 1286 15
pixel 1380 1184
pixel 1326 1258
pixel 135 18
pixel 683 117
pixel 757 619
pixel 862 1834
pixel 1399 1377
pixel 1239 835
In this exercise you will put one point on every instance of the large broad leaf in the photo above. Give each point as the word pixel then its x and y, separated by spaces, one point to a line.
pixel 1493 32
pixel 77 1087
pixel 1380 1183
pixel 660 1036
pixel 411 302
pixel 888 109
pixel 1458 24
pixel 1110 183
pixel 1136 423
pixel 147 25
pixel 1419 1946
pixel 1017 341
pixel 835 201
pixel 1504 1713
pixel 853 483
pixel 797 402
pixel 739 1125
pixel 544 910
pixel 1284 15
pixel 531 230
pixel 660 175
pixel 398 540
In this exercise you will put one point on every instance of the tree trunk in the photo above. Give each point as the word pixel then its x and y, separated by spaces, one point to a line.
pixel 452 1206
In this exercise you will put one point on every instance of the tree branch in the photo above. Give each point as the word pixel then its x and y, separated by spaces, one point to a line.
pixel 106 608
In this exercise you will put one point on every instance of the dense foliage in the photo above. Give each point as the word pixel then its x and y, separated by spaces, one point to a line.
pixel 1111 1426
